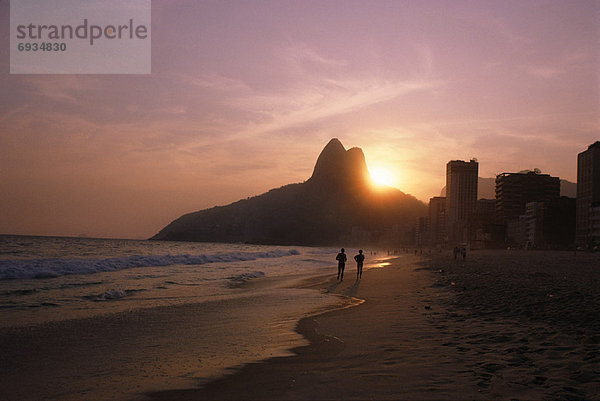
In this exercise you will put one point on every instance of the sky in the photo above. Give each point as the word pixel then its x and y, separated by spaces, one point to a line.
pixel 243 96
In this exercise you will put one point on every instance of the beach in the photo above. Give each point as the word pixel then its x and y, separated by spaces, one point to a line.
pixel 100 319
pixel 502 325
pixel 499 325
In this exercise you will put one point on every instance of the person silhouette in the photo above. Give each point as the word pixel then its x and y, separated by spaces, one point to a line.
pixel 341 258
pixel 360 258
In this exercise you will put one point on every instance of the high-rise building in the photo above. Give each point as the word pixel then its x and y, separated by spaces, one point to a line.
pixel 515 190
pixel 461 196
pixel 437 219
pixel 594 224
pixel 588 193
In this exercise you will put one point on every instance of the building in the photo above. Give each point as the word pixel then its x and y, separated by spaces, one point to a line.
pixel 484 230
pixel 515 190
pixel 516 232
pixel 594 225
pixel 485 210
pixel 559 223
pixel 437 220
pixel 422 231
pixel 549 225
pixel 534 222
pixel 461 197
pixel 588 193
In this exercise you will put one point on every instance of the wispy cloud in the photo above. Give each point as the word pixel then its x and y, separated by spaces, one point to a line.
pixel 214 81
pixel 305 104
pixel 545 72
pixel 15 111
pixel 302 56
pixel 67 88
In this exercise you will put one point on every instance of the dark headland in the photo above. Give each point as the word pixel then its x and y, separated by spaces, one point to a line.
pixel 338 203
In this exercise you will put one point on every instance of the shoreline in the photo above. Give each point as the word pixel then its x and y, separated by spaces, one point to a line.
pixel 125 354
pixel 517 325
pixel 433 328
pixel 313 372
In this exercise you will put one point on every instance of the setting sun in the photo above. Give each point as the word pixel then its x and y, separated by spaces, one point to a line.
pixel 382 176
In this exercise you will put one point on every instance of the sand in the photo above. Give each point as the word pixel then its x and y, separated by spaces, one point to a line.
pixel 500 325
pixel 527 323
pixel 118 356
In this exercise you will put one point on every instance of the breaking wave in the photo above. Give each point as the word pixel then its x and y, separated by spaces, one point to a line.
pixel 55 267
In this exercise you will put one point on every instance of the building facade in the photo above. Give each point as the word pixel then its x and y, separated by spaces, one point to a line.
pixel 422 231
pixel 461 197
pixel 515 190
pixel 594 225
pixel 437 220
pixel 588 194
pixel 550 225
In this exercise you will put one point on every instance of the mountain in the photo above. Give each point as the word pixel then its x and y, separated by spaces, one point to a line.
pixel 486 188
pixel 338 204
pixel 568 188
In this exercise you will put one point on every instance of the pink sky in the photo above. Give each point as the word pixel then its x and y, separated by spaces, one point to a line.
pixel 243 96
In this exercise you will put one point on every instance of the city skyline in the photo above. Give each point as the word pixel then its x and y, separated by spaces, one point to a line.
pixel 243 95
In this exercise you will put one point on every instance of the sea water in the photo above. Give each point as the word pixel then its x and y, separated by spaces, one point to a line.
pixel 244 302
pixel 53 278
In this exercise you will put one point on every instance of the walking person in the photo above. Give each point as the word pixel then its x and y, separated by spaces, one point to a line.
pixel 341 258
pixel 360 258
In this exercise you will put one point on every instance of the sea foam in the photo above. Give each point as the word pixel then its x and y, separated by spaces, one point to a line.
pixel 247 276
pixel 111 294
pixel 55 267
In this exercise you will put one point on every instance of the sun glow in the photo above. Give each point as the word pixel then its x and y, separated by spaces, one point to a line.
pixel 382 176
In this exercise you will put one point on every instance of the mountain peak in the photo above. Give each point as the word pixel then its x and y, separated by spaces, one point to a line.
pixel 324 210
pixel 334 145
pixel 336 165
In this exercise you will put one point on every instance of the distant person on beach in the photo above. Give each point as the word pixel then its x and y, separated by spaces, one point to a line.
pixel 464 253
pixel 360 258
pixel 456 251
pixel 341 258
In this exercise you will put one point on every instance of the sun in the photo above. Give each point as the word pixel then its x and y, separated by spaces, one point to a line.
pixel 382 176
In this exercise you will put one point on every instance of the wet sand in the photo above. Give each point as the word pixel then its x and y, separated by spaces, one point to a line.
pixel 501 325
pixel 120 356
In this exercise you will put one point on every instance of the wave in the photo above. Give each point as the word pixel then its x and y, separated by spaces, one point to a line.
pixel 55 267
pixel 111 294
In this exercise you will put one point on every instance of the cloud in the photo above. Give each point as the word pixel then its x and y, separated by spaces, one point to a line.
pixel 214 81
pixel 304 104
pixel 64 88
pixel 15 111
pixel 545 72
pixel 301 57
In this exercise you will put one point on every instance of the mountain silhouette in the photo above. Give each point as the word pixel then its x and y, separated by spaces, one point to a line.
pixel 337 204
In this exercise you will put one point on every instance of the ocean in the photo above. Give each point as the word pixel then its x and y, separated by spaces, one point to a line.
pixel 232 304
